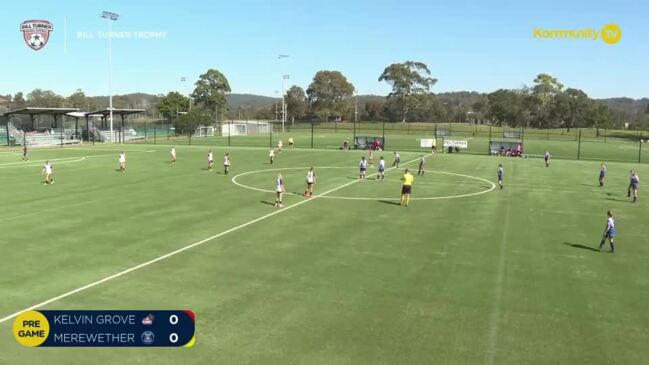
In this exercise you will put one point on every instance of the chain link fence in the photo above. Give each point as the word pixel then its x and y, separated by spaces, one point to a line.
pixel 576 143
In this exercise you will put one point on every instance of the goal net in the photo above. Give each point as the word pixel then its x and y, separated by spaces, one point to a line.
pixel 245 128
pixel 204 131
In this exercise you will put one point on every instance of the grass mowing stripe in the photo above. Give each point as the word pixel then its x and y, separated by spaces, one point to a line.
pixel 500 277
pixel 182 249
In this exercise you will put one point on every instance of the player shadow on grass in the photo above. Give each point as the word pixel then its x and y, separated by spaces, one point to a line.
pixel 391 202
pixel 265 202
pixel 576 245
pixel 618 199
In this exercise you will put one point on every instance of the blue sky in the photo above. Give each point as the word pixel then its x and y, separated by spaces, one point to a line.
pixel 468 45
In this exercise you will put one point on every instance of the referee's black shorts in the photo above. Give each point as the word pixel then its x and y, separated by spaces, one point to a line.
pixel 406 189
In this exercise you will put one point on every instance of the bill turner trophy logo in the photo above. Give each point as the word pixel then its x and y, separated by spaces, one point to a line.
pixel 36 33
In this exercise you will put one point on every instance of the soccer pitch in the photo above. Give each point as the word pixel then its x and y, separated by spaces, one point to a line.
pixel 467 274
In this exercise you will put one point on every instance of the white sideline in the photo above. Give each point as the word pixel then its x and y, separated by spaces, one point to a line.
pixel 172 253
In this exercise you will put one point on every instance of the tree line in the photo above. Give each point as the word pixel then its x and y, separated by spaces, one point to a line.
pixel 331 96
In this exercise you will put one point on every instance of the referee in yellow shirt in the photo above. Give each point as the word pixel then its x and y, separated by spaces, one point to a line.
pixel 406 189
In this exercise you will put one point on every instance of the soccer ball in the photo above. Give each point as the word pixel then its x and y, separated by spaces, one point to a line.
pixel 36 40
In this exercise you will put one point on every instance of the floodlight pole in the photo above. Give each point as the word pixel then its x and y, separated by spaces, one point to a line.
pixel 284 78
pixel 110 16
pixel 356 108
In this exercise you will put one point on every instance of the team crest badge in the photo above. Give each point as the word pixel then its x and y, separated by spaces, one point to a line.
pixel 36 33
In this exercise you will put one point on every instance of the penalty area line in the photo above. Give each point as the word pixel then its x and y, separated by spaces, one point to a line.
pixel 173 253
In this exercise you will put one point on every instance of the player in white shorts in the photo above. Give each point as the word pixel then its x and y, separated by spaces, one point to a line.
pixel 279 146
pixel 271 156
pixel 363 168
pixel 381 173
pixel 279 191
pixel 210 160
pixel 310 182
pixel 122 161
pixel 397 159
pixel 47 171
pixel 226 164
pixel 173 155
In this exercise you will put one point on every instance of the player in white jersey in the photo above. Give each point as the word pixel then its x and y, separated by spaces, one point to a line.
pixel 279 146
pixel 279 191
pixel 173 155
pixel 47 171
pixel 271 156
pixel 363 168
pixel 381 173
pixel 210 160
pixel 546 157
pixel 397 159
pixel 226 164
pixel 122 161
pixel 310 182
pixel 609 232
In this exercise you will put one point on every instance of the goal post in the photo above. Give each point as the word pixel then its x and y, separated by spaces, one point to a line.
pixel 204 131
pixel 245 128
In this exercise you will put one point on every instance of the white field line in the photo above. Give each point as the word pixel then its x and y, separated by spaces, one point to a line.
pixel 38 162
pixel 494 318
pixel 173 253
pixel 493 186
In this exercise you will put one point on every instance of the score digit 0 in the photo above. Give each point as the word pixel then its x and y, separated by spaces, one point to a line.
pixel 173 319
pixel 173 338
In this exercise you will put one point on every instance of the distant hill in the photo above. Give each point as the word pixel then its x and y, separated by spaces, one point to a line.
pixel 627 105
pixel 249 101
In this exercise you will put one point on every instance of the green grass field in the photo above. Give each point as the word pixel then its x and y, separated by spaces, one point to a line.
pixel 466 274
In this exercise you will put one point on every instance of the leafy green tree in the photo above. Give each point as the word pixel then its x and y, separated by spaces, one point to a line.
pixel 407 79
pixel 543 94
pixel 599 117
pixel 212 89
pixel 374 110
pixel 19 101
pixel 296 103
pixel 509 107
pixel 44 98
pixel 77 100
pixel 576 107
pixel 329 94
pixel 172 104
pixel 188 122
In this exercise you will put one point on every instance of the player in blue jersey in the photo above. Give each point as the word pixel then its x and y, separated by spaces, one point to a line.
pixel 602 175
pixel 501 173
pixel 609 232
pixel 422 163
pixel 633 185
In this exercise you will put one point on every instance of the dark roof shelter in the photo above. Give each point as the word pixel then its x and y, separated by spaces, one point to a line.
pixel 105 115
pixel 33 111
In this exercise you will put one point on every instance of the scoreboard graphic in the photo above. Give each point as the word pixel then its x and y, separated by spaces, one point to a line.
pixel 105 328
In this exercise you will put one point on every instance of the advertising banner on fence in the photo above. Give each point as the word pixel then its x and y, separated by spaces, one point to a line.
pixel 455 143
pixel 427 142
